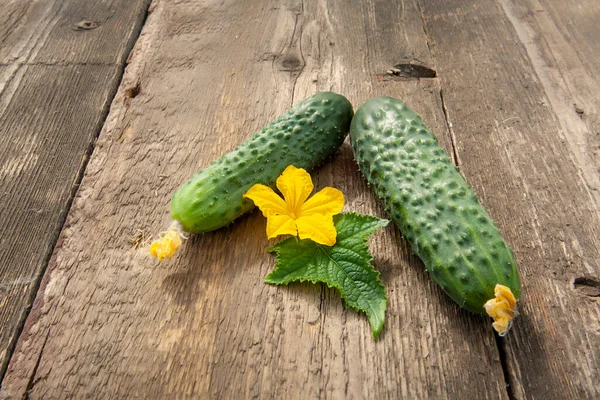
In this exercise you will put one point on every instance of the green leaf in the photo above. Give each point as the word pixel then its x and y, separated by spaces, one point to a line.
pixel 345 266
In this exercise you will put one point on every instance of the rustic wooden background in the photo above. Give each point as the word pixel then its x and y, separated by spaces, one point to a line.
pixel 106 107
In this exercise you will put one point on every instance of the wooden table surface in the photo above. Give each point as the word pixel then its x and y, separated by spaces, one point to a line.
pixel 107 106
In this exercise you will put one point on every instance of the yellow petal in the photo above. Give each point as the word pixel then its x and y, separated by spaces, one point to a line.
pixel 317 227
pixel 266 199
pixel 502 308
pixel 296 185
pixel 166 246
pixel 280 225
pixel 328 201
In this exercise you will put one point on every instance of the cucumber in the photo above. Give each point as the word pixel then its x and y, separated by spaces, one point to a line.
pixel 434 208
pixel 303 137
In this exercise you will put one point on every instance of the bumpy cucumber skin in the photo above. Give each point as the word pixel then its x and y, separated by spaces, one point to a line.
pixel 429 200
pixel 304 136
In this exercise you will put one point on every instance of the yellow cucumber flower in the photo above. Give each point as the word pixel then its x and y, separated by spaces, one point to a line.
pixel 502 308
pixel 296 214
pixel 168 242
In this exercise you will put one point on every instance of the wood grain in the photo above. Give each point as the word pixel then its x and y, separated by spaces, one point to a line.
pixel 520 153
pixel 56 82
pixel 561 39
pixel 110 322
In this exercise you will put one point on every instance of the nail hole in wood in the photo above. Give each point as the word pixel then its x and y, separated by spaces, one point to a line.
pixel 587 286
pixel 411 71
pixel 86 25
pixel 132 92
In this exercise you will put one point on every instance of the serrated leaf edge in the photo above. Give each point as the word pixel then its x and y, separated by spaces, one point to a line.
pixel 378 223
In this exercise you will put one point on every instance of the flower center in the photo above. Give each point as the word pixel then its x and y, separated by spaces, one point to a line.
pixel 294 212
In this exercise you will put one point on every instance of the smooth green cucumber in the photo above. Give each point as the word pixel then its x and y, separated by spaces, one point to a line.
pixel 304 136
pixel 429 200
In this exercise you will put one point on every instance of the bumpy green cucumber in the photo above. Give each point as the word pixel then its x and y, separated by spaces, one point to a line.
pixel 435 209
pixel 303 137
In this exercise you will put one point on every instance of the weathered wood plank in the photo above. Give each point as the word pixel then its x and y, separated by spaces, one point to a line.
pixel 61 32
pixel 111 322
pixel 515 150
pixel 561 39
pixel 56 82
